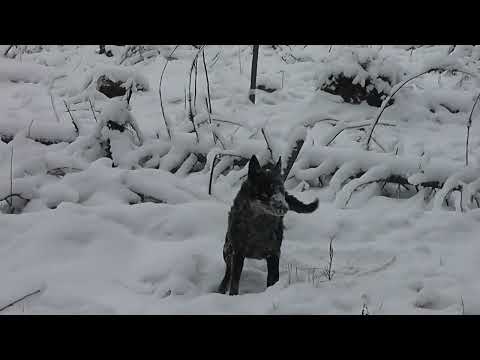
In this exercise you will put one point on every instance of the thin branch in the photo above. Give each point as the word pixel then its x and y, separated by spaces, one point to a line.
pixel 469 124
pixel 10 203
pixel 71 116
pixel 214 163
pixel 30 128
pixel 195 85
pixel 160 92
pixel 268 144
pixel 53 107
pixel 387 100
pixel 190 110
pixel 357 126
pixel 6 198
pixel 210 122
pixel 93 110
pixel 8 49
pixel 208 83
pixel 18 300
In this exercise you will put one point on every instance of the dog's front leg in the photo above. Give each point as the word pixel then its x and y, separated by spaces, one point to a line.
pixel 237 266
pixel 222 289
pixel 273 262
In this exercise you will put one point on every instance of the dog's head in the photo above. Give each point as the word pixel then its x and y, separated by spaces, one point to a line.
pixel 266 188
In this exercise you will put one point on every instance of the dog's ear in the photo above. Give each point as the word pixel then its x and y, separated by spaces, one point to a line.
pixel 278 166
pixel 253 167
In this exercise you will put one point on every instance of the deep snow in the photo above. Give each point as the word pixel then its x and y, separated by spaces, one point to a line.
pixel 88 243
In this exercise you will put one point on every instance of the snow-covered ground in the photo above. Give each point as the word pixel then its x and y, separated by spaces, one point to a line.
pixel 90 245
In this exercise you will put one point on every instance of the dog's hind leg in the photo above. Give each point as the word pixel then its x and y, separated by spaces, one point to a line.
pixel 222 289
pixel 237 267
pixel 273 262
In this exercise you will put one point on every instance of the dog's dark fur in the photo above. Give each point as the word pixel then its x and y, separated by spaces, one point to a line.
pixel 255 223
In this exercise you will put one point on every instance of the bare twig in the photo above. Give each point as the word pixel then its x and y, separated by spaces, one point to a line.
pixel 18 300
pixel 328 272
pixel 208 83
pixel 8 49
pixel 387 100
pixel 30 128
pixel 210 122
pixel 239 59
pixel 71 117
pixel 215 59
pixel 160 93
pixel 190 110
pixel 53 107
pixel 214 163
pixel 469 125
pixel 195 85
pixel 6 198
pixel 354 126
pixel 268 144
pixel 10 203
pixel 93 110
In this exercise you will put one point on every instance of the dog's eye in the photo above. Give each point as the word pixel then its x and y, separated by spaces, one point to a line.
pixel 264 196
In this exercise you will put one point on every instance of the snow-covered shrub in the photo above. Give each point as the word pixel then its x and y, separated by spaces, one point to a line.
pixel 117 131
pixel 359 74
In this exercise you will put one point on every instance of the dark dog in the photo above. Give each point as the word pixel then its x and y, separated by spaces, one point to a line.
pixel 255 223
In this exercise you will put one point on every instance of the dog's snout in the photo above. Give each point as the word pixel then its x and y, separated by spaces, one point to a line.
pixel 279 202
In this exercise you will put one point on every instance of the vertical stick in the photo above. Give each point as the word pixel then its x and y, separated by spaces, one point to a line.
pixel 239 59
pixel 253 75
pixel 10 203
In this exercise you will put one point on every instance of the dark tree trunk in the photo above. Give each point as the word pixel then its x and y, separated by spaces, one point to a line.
pixel 253 78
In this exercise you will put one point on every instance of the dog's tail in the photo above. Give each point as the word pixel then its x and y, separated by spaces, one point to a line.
pixel 296 205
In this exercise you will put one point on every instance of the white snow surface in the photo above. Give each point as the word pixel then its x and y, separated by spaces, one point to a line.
pixel 89 244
